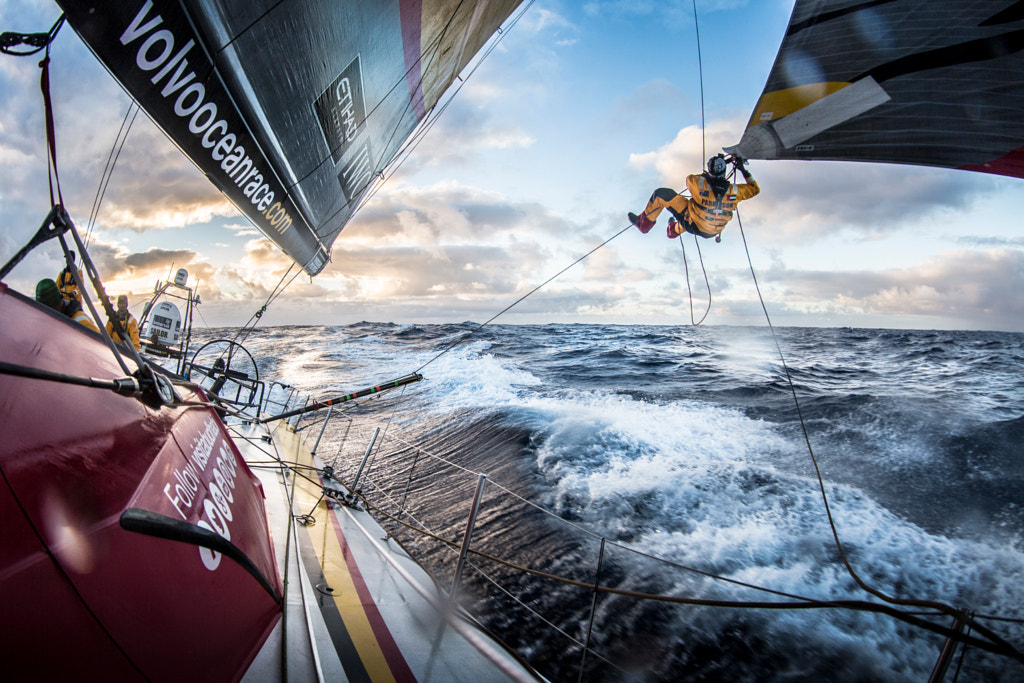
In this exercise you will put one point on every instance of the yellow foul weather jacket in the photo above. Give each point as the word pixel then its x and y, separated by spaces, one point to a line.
pixel 709 213
pixel 67 285
pixel 131 328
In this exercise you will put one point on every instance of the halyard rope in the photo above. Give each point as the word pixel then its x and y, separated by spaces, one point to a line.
pixel 929 604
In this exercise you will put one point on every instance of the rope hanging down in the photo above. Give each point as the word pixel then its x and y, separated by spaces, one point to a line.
pixel 906 602
pixel 930 604
pixel 689 291
pixel 51 136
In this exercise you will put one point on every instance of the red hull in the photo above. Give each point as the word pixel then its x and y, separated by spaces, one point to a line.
pixel 81 596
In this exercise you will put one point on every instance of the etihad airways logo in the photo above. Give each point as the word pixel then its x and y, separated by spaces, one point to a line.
pixel 341 112
pixel 219 133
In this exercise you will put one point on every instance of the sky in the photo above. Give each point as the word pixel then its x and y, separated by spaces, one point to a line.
pixel 581 110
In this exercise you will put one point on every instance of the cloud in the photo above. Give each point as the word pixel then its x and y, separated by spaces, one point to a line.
pixel 447 245
pixel 465 131
pixel 150 187
pixel 156 259
pixel 975 288
pixel 153 188
pixel 262 253
pixel 978 241
pixel 542 19
pixel 243 229
pixel 135 273
pixel 644 103
pixel 449 212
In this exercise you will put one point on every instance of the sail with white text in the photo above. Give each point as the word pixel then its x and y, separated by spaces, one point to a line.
pixel 294 135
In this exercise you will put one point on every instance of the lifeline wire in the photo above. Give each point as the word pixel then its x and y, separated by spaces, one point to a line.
pixel 997 645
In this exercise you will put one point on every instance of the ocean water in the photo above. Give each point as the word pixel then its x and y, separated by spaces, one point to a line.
pixel 683 450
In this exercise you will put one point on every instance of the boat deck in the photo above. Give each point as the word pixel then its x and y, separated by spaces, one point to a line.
pixel 357 606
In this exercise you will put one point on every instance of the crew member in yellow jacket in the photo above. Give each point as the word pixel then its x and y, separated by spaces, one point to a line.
pixel 67 285
pixel 709 207
pixel 128 323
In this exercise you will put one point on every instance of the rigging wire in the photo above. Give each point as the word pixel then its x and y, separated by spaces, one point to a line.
pixel 700 73
pixel 703 151
pixel 479 327
pixel 108 169
pixel 378 178
pixel 432 53
pixel 418 135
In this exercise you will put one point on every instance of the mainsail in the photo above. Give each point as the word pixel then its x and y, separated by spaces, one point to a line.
pixel 291 108
pixel 938 83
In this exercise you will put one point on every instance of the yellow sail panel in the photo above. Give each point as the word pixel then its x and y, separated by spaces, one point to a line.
pixel 775 105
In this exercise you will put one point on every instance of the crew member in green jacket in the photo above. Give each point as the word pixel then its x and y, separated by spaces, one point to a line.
pixel 709 207
pixel 48 294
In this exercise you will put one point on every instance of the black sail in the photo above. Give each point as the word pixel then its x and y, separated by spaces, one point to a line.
pixel 292 109
pixel 938 83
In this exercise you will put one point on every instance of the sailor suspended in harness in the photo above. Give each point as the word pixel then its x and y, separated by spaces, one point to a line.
pixel 709 207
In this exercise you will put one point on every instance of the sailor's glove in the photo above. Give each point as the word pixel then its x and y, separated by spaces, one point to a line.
pixel 740 164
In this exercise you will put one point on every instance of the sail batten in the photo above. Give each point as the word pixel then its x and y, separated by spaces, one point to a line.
pixel 895 81
pixel 290 108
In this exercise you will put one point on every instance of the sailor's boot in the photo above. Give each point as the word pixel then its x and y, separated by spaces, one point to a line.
pixel 673 230
pixel 643 223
